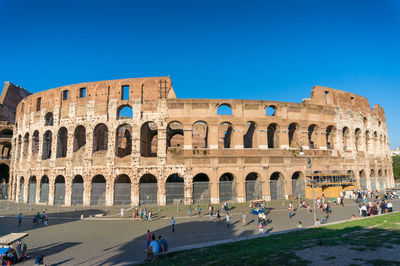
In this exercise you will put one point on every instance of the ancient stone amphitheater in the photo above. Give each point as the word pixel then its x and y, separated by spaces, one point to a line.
pixel 132 141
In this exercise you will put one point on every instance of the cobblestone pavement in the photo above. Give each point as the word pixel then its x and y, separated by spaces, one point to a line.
pixel 110 240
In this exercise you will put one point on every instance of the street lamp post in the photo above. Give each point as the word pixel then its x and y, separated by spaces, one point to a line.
pixel 309 163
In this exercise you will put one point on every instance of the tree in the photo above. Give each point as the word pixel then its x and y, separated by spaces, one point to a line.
pixel 396 166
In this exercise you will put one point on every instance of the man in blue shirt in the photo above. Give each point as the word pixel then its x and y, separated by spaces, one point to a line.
pixel 163 244
pixel 153 249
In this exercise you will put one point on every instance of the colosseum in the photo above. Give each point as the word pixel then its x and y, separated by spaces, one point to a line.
pixel 133 142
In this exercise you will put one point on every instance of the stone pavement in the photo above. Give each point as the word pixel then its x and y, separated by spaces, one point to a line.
pixel 111 240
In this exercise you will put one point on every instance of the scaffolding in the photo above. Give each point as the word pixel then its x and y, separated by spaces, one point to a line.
pixel 331 178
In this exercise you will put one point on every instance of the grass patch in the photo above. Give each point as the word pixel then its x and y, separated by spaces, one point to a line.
pixel 280 249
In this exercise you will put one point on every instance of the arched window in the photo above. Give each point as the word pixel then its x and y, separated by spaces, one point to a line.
pixel 201 188
pixel 224 135
pixel 224 109
pixel 367 137
pixel 346 138
pixel 62 142
pixel 293 138
pixel 358 138
pixel 149 140
pixel 48 119
pixel 174 134
pixel 79 138
pixel 200 135
pixel 272 136
pixel 125 112
pixel 26 144
pixel 124 140
pixel 330 137
pixel 248 138
pixel 35 142
pixel 47 139
pixel 100 138
pixel 312 131
pixel 270 110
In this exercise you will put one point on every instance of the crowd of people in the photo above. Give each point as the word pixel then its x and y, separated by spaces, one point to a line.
pixel 155 246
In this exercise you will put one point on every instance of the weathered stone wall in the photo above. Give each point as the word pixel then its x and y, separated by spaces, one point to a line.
pixel 167 136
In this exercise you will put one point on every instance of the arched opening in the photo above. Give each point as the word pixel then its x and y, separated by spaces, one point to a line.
pixel 79 138
pixel 380 180
pixel 148 190
pixel 363 180
pixel 122 190
pixel 358 138
pixel 346 138
pixel 48 119
pixel 270 110
pixel 201 188
pixel 100 138
pixel 224 135
pixel 272 136
pixel 47 139
pixel 77 190
pixel 6 133
pixel 59 193
pixel 175 189
pixel 298 185
pixel 330 137
pixel 373 180
pixel 253 187
pixel 123 140
pixel 312 131
pixel 4 180
pixel 227 187
pixel 386 179
pixel 293 136
pixel 249 138
pixel 367 141
pixel 5 150
pixel 21 189
pixel 224 109
pixel 18 151
pixel 125 112
pixel 98 190
pixel 26 145
pixel 35 143
pixel 277 188
pixel 44 189
pixel 62 143
pixel 200 135
pixel 148 140
pixel 32 189
pixel 175 135
pixel 376 142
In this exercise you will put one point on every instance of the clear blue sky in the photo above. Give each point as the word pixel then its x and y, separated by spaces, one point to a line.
pixel 271 50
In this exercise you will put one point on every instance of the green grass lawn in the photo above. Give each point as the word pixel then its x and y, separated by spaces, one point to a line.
pixel 362 235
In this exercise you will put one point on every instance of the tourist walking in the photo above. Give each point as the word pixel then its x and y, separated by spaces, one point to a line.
pixel 227 219
pixel 173 224
pixel 122 212
pixel 198 210
pixel 19 218
pixel 260 228
pixel 218 216
pixel 243 219
pixel 190 211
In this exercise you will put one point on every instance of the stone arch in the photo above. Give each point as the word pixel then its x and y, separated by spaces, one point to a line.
pixel 380 179
pixel 272 136
pixel 35 142
pixel 367 141
pixel 21 189
pixel 77 190
pixel 4 180
pixel 44 189
pixel 225 131
pixel 200 135
pixel 298 184
pixel 148 190
pixel 312 136
pixel 249 138
pixel 62 142
pixel 100 138
pixel 376 141
pixel 175 135
pixel 277 186
pixel 253 186
pixel 346 138
pixel 32 189
pixel 98 190
pixel 373 179
pixel 363 180
pixel 271 110
pixel 5 150
pixel 149 139
pixel 18 151
pixel 47 142
pixel 224 109
pixel 330 136
pixel 123 140
pixel 59 190
pixel 6 133
pixel 175 188
pixel 201 188
pixel 293 135
pixel 79 138
pixel 124 112
pixel 227 187
pixel 48 119
pixel 26 145
pixel 358 139
pixel 122 190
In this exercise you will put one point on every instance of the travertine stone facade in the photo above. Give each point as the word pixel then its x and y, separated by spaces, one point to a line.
pixel 80 134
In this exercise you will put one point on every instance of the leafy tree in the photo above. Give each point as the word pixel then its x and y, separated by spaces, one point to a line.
pixel 396 166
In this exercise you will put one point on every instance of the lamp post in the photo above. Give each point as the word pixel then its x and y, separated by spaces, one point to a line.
pixel 309 163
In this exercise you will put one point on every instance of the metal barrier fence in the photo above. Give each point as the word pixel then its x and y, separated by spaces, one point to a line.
pixel 98 194
pixel 44 193
pixel 363 183
pixel 253 190
pixel 227 191
pixel 59 194
pixel 277 189
pixel 380 179
pixel 299 188
pixel 32 193
pixel 3 191
pixel 21 191
pixel 77 194
pixel 148 193
pixel 373 183
pixel 122 194
pixel 201 192
pixel 175 191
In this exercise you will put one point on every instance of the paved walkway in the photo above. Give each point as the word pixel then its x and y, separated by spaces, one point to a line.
pixel 111 240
